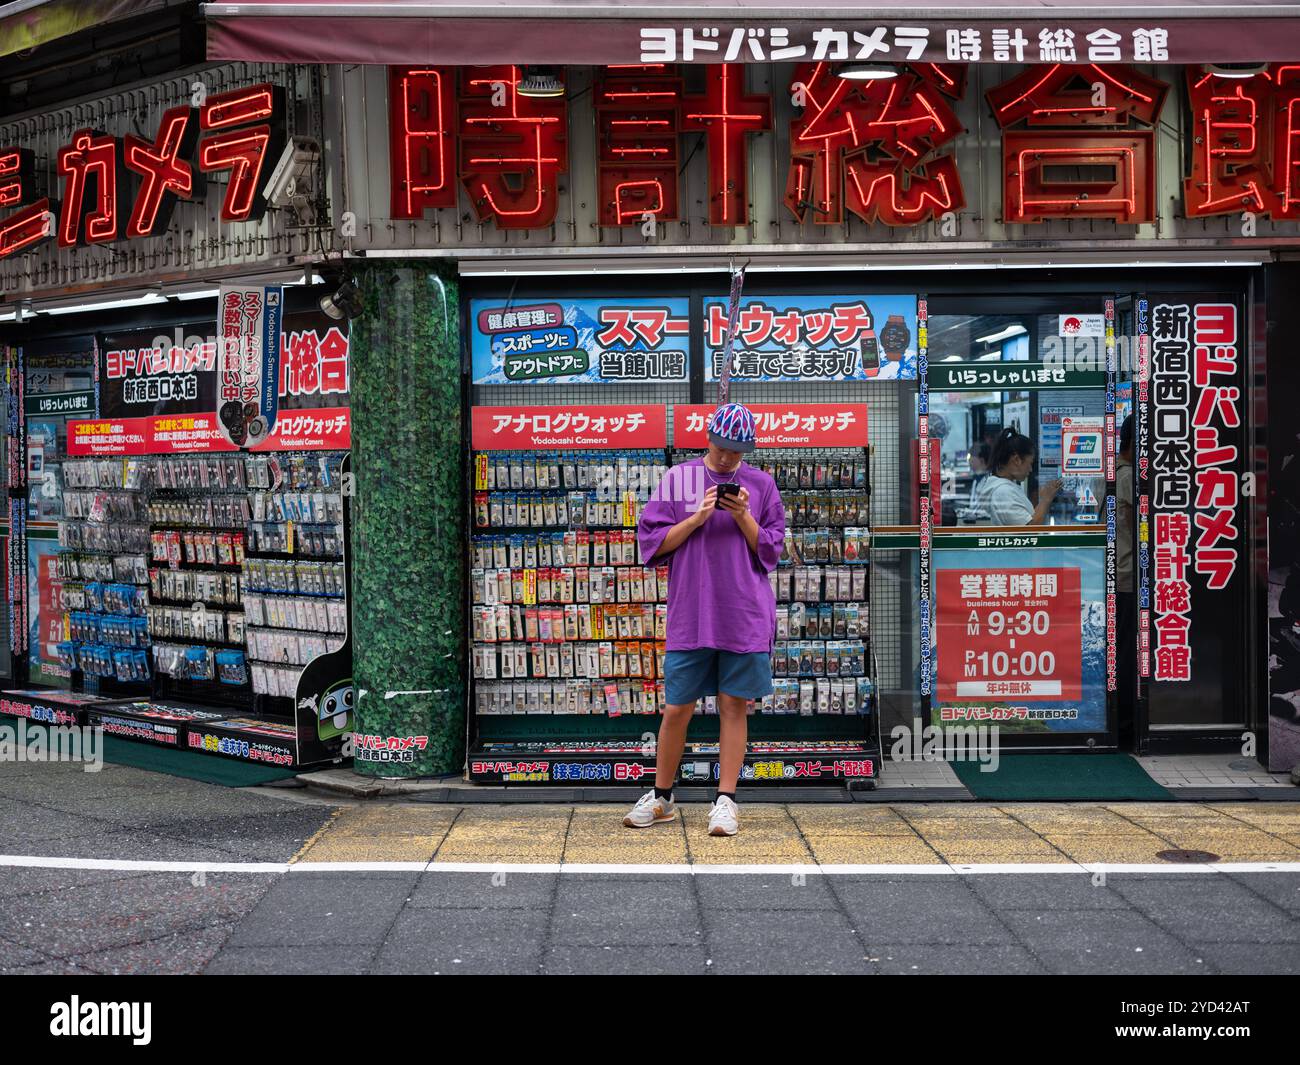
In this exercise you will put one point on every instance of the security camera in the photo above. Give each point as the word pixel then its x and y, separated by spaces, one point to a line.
pixel 344 303
pixel 291 180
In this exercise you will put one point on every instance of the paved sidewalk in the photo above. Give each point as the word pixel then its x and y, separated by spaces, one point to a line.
pixel 1211 771
pixel 904 834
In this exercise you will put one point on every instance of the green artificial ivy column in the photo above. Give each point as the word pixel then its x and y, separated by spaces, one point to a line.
pixel 408 518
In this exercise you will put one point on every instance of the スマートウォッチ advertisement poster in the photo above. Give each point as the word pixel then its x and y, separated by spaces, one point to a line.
pixel 579 341
pixel 248 362
pixel 814 338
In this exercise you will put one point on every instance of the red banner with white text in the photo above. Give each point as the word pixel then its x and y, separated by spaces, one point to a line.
pixel 781 424
pixel 541 428
pixel 1009 633
pixel 308 429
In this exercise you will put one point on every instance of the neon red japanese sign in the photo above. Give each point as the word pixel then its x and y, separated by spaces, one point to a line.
pixel 165 176
pixel 33 223
pixel 1244 152
pixel 727 115
pixel 126 187
pixel 422 139
pixel 513 148
pixel 638 116
pixel 903 120
pixel 641 112
pixel 1078 142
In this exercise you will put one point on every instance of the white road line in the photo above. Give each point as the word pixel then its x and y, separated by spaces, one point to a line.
pixel 28 861
pixel 358 867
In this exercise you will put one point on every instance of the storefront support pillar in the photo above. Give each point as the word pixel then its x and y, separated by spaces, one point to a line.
pixel 408 522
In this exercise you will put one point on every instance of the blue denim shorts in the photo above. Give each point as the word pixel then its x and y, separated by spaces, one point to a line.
pixel 691 675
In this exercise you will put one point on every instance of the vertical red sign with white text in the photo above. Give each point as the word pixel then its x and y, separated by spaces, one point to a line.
pixel 1196 455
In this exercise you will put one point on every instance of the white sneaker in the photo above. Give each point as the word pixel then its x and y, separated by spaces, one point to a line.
pixel 723 818
pixel 650 810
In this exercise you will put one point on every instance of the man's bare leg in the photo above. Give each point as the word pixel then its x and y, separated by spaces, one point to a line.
pixel 672 741
pixel 733 727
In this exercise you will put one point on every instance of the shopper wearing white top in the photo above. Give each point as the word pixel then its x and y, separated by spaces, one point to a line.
pixel 1000 497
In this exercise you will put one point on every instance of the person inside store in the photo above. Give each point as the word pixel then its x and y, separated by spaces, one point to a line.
pixel 1126 597
pixel 979 465
pixel 1000 498
pixel 720 525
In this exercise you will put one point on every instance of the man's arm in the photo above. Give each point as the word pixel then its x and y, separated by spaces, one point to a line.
pixel 738 506
pixel 764 533
pixel 678 534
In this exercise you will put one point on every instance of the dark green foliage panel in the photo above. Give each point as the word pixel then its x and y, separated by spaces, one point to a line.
pixel 408 517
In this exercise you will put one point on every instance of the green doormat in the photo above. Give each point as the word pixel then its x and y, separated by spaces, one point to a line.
pixel 209 768
pixel 1050 777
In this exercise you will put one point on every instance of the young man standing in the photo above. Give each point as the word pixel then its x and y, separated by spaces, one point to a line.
pixel 720 525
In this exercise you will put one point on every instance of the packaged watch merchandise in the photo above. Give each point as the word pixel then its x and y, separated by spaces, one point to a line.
pixel 577 603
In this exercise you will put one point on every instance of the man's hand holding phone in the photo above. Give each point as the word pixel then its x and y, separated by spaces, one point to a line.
pixel 705 510
pixel 735 499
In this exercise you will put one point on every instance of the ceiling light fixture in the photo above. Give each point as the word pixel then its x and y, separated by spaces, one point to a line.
pixel 1236 70
pixel 104 305
pixel 540 82
pixel 867 71
pixel 1004 334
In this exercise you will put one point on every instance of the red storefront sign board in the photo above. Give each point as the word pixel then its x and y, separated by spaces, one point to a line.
pixel 781 424
pixel 1009 633
pixel 308 429
pixel 549 428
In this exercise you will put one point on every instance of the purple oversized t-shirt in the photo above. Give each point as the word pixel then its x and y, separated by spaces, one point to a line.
pixel 718 590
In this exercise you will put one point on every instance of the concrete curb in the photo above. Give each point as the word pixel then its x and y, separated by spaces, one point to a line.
pixel 344 783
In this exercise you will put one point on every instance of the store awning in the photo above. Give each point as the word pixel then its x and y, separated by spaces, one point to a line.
pixel 458 32
pixel 25 24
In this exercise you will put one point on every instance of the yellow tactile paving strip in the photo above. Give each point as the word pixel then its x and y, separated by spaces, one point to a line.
pixel 840 834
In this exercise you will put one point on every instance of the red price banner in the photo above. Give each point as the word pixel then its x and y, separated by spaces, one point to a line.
pixel 1009 634
pixel 306 429
pixel 781 424
pixel 544 428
